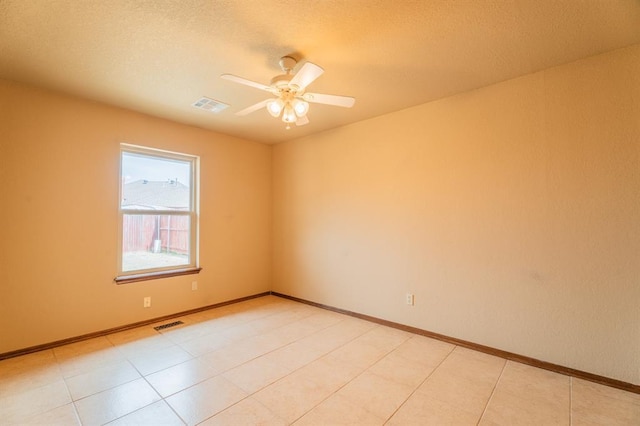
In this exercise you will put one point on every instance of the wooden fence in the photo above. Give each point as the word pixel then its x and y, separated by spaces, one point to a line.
pixel 155 233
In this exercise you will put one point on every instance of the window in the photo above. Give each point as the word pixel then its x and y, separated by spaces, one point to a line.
pixel 158 214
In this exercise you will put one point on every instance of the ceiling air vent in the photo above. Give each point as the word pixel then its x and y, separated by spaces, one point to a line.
pixel 209 104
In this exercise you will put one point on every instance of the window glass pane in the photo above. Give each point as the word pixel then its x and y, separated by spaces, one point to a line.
pixel 152 183
pixel 154 241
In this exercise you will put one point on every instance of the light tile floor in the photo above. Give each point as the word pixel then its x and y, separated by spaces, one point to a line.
pixel 272 361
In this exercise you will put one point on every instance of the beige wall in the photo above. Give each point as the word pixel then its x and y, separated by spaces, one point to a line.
pixel 511 212
pixel 59 192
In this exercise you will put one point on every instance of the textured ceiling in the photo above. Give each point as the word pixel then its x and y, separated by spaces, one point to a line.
pixel 160 56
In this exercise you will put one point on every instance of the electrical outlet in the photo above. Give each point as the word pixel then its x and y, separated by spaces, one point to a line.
pixel 410 299
pixel 146 302
pixel 194 285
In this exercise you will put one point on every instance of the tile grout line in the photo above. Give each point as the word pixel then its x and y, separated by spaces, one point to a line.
pixel 75 411
pixel 65 379
pixel 162 398
pixel 249 395
pixel 230 343
pixel 174 411
pixel 420 384
pixel 66 385
pixel 570 401
pixel 142 376
pixel 493 391
pixel 278 348
pixel 310 362
pixel 358 375
pixel 220 374
pixel 197 358
pixel 217 374
pixel 223 329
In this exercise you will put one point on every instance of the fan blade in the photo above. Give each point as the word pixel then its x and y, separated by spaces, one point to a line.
pixel 254 107
pixel 301 121
pixel 307 74
pixel 246 82
pixel 319 98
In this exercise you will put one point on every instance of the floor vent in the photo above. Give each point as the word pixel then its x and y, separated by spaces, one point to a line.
pixel 171 324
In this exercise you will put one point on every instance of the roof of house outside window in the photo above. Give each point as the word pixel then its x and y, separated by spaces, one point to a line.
pixel 155 195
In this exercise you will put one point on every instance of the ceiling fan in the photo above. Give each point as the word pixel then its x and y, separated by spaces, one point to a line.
pixel 291 99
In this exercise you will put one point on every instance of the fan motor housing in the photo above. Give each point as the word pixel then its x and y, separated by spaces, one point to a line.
pixel 281 81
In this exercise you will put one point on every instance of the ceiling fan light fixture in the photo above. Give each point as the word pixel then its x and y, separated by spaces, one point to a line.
pixel 291 100
pixel 275 107
pixel 300 107
pixel 289 115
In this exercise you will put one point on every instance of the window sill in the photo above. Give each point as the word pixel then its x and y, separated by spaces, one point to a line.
pixel 126 279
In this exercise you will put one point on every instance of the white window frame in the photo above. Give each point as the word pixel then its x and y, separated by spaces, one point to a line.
pixel 124 277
